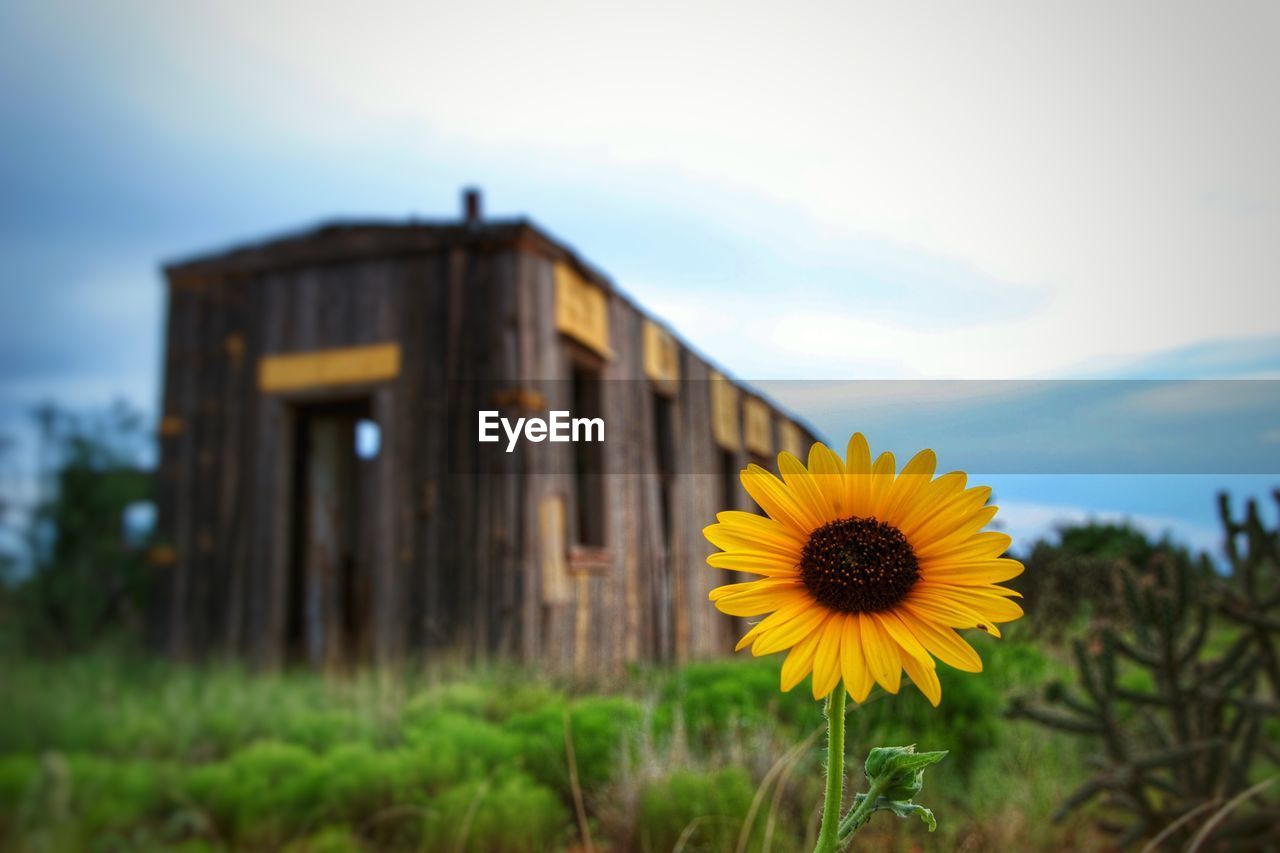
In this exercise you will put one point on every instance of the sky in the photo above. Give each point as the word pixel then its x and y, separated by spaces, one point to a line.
pixel 812 191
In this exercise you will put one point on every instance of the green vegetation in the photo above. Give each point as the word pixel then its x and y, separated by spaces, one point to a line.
pixel 103 749
pixel 112 752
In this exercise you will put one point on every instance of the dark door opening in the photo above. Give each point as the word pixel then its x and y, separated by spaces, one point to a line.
pixel 588 459
pixel 729 482
pixel 330 591
pixel 664 447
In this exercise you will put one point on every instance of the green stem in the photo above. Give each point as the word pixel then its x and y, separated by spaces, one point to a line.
pixel 854 820
pixel 828 835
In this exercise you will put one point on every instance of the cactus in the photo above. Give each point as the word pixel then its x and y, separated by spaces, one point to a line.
pixel 1178 691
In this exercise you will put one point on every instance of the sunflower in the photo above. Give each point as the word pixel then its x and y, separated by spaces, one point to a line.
pixel 864 572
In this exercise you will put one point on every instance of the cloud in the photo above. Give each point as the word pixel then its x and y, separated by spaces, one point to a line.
pixel 1088 192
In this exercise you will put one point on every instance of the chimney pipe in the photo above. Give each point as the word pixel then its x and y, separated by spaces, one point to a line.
pixel 471 206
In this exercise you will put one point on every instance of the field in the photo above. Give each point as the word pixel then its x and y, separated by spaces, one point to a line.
pixel 111 752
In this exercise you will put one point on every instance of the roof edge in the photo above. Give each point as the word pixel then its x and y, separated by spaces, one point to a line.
pixel 337 241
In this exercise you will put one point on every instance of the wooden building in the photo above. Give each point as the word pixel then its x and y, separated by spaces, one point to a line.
pixel 322 493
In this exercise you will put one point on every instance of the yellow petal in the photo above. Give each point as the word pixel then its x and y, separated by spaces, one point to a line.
pixel 827 472
pixel 950 516
pixel 881 653
pixel 881 483
pixel 767 565
pixel 757 526
pixel 804 491
pixel 958 537
pixel 757 602
pixel 728 538
pixel 858 455
pixel 993 608
pixel 750 637
pixel 935 496
pixel 857 484
pixel 925 677
pixel 942 610
pixel 986 545
pixel 853 664
pixel 826 662
pixel 775 499
pixel 775 620
pixel 788 634
pixel 977 572
pixel 756 585
pixel 946 645
pixel 893 625
pixel 910 484
pixel 799 661
pixel 732 589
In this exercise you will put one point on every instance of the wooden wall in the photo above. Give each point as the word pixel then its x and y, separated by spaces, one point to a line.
pixel 465 552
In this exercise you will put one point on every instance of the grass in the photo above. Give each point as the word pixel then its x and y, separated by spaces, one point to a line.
pixel 107 752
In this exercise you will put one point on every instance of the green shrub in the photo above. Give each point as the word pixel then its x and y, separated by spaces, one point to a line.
pixel 322 729
pixel 333 839
pixel 17 774
pixel 447 748
pixel 600 726
pixel 115 795
pixel 496 702
pixel 714 697
pixel 461 697
pixel 707 809
pixel 507 814
pixel 357 781
pixel 269 787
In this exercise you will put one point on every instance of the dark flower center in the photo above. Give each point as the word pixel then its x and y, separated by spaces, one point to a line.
pixel 858 565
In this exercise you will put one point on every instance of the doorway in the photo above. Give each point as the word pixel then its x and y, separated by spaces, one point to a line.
pixel 664 465
pixel 330 592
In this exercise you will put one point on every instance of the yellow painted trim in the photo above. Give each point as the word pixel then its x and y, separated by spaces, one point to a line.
pixel 161 556
pixel 757 426
pixel 529 399
pixel 234 345
pixel 326 368
pixel 582 310
pixel 553 551
pixel 661 355
pixel 792 439
pixel 171 425
pixel 725 412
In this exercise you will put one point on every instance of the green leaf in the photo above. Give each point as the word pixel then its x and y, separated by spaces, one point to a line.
pixel 920 760
pixel 895 775
pixel 899 759
pixel 906 809
pixel 898 771
pixel 880 758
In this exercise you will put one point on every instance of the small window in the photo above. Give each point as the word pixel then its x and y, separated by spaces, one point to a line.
pixel 664 450
pixel 729 485
pixel 588 459
pixel 137 523
pixel 368 439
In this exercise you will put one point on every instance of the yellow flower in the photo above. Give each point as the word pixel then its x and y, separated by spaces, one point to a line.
pixel 864 573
